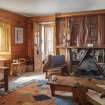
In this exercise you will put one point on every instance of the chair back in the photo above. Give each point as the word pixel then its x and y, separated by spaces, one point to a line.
pixel 54 61
pixel 22 60
pixel 57 60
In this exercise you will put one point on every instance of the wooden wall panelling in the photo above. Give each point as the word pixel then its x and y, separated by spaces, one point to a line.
pixel 60 32
pixel 77 31
pixel 83 31
pixel 75 21
pixel 91 30
pixel 101 30
pixel 19 50
pixel 81 13
pixel 30 39
pixel 15 20
pixel 48 18
pixel 61 36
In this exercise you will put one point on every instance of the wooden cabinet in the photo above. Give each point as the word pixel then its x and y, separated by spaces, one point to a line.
pixel 77 31
pixel 91 30
pixel 60 32
pixel 101 30
pixel 81 31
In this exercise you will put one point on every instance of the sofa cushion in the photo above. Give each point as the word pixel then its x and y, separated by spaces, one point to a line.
pixel 57 60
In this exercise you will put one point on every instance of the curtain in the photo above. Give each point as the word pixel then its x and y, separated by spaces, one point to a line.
pixel 47 40
pixel 4 38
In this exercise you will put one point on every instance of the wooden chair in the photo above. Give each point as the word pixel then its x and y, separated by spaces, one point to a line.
pixel 18 66
pixel 55 65
pixel 23 65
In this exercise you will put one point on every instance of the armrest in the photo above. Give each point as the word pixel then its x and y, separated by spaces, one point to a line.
pixel 64 65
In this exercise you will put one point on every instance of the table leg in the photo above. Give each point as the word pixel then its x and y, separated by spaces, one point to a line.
pixel 6 79
pixel 52 90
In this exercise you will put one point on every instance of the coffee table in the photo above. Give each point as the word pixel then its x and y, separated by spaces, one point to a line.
pixel 77 85
pixel 68 84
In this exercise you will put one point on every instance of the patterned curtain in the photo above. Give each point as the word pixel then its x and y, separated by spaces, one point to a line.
pixel 5 34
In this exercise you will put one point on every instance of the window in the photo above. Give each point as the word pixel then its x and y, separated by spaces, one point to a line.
pixel 5 38
pixel 47 40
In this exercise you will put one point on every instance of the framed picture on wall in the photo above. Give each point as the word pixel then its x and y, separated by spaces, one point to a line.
pixel 18 35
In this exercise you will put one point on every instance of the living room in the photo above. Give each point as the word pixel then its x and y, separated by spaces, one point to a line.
pixel 52 52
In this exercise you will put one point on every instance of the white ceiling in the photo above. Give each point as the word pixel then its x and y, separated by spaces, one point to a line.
pixel 45 7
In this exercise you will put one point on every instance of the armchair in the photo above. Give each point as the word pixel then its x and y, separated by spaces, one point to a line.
pixel 55 65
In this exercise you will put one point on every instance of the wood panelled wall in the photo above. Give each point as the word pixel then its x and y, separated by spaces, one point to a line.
pixel 79 20
pixel 80 30
pixel 17 50
pixel 30 39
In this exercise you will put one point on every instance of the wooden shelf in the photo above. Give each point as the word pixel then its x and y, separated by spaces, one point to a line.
pixel 61 47
pixel 81 47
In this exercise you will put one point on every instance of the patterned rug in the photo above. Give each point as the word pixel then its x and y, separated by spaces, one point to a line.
pixel 31 90
pixel 23 80
pixel 34 94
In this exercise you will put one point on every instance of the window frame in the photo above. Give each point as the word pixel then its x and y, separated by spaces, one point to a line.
pixel 2 53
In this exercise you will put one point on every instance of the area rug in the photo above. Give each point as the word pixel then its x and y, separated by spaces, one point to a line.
pixel 35 94
pixel 24 80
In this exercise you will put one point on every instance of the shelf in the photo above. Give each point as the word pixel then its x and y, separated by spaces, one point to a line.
pixel 61 47
pixel 79 47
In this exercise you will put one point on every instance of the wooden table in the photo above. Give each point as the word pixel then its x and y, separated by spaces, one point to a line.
pixel 68 84
pixel 78 86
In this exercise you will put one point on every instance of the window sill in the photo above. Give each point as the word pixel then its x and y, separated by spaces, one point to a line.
pixel 5 55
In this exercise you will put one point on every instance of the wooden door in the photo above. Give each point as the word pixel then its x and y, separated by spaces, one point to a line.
pixel 101 30
pixel 77 31
pixel 91 30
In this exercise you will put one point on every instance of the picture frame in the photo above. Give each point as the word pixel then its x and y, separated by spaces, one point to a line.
pixel 18 35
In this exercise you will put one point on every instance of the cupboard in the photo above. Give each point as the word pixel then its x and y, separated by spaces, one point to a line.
pixel 81 31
